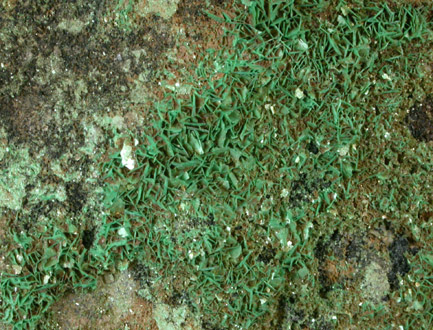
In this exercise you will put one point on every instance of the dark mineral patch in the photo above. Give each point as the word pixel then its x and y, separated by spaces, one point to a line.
pixel 420 120
pixel 400 265
pixel 312 147
pixel 88 238
pixel 76 196
pixel 266 255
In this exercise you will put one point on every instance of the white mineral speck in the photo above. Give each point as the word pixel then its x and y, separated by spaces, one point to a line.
pixel 386 77
pixel 122 232
pixel 299 93
pixel 17 269
pixel 343 151
pixel 127 158
pixel 46 279
pixel 284 193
